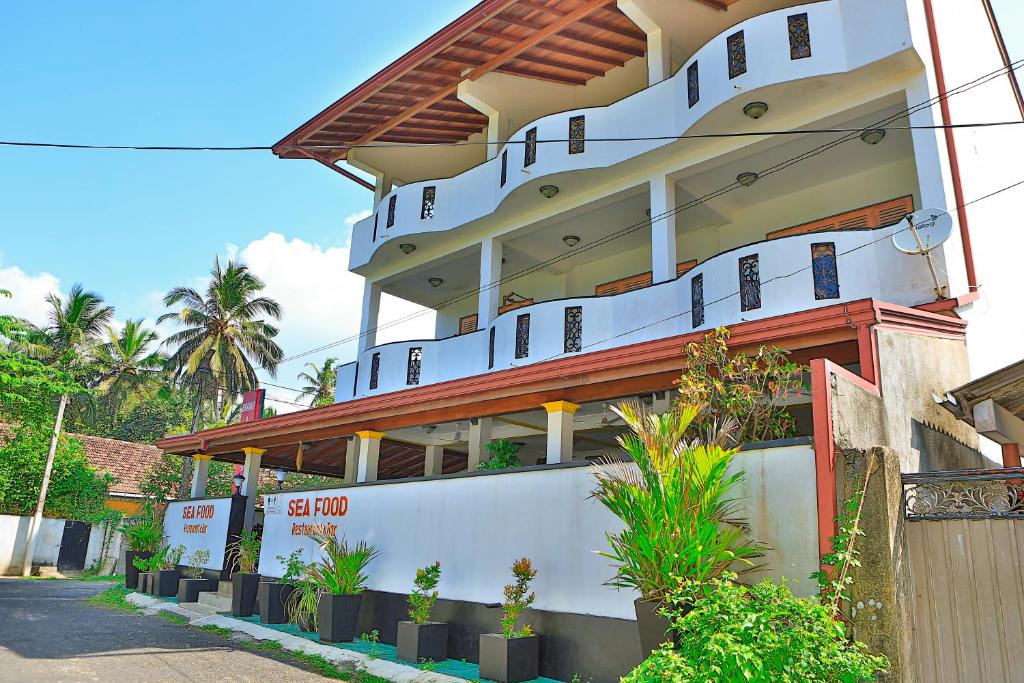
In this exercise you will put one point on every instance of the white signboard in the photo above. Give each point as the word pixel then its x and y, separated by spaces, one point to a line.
pixel 199 525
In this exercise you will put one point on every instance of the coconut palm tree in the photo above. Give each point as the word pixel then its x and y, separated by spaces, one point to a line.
pixel 320 384
pixel 128 370
pixel 224 335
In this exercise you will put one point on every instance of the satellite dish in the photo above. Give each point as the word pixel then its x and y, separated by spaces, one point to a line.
pixel 922 231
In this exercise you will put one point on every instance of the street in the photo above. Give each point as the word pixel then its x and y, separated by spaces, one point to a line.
pixel 48 634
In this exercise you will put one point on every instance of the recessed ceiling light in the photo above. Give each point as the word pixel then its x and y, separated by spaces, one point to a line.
pixel 755 110
pixel 571 240
pixel 747 178
pixel 549 191
pixel 407 248
pixel 873 136
pixel 435 281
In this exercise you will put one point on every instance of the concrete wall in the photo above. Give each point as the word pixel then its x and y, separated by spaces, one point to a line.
pixel 199 524
pixel 14 535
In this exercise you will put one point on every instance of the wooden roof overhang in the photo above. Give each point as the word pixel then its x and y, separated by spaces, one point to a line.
pixel 413 100
pixel 833 332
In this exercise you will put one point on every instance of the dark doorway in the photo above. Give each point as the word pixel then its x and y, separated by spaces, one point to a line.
pixel 73 545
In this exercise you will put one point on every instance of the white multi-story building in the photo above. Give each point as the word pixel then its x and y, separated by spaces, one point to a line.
pixel 579 187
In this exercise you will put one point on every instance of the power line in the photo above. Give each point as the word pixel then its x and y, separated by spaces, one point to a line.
pixel 469 143
pixel 852 135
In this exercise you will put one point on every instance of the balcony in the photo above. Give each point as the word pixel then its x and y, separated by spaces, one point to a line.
pixel 759 53
pixel 762 280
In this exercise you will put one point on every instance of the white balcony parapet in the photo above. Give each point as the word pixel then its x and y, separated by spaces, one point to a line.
pixel 844 35
pixel 866 265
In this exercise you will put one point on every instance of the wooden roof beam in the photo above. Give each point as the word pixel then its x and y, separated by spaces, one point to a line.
pixel 715 4
pixel 632 50
pixel 526 57
pixel 316 156
pixel 634 34
pixel 580 54
pixel 540 75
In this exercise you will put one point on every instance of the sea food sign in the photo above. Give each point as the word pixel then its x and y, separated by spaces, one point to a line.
pixel 290 521
pixel 199 525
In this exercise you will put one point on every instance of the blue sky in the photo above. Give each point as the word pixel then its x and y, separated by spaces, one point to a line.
pixel 130 225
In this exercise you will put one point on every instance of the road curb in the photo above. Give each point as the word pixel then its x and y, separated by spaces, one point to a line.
pixel 398 673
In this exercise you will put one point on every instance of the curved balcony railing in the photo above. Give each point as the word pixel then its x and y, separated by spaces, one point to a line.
pixel 832 36
pixel 756 281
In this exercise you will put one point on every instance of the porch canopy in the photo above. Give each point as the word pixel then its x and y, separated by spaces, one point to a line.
pixel 994 405
pixel 840 333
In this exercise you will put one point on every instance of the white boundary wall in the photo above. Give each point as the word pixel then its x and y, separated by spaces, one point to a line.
pixel 477 525
pixel 14 536
pixel 200 524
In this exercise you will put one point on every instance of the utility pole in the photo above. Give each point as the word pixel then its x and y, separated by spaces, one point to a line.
pixel 37 520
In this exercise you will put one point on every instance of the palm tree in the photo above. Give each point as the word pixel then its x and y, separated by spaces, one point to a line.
pixel 128 372
pixel 320 384
pixel 223 335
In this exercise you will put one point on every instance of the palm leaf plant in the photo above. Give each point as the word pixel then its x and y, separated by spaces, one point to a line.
pixel 301 605
pixel 320 382
pixel 342 569
pixel 245 550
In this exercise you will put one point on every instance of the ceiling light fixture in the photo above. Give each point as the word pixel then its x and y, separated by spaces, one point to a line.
pixel 435 281
pixel 407 248
pixel 571 240
pixel 747 178
pixel 755 110
pixel 873 136
pixel 549 191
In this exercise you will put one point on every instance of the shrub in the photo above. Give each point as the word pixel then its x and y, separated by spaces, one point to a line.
pixel 503 455
pixel 303 600
pixel 422 599
pixel 516 599
pixel 245 550
pixel 172 557
pixel 294 567
pixel 144 533
pixel 759 634
pixel 341 569
pixel 197 564
pixel 673 501
pixel 747 388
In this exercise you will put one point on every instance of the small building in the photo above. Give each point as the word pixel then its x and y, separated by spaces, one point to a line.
pixel 128 462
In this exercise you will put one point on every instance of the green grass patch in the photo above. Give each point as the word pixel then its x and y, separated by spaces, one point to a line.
pixel 314 663
pixel 118 578
pixel 115 597
pixel 173 618
pixel 216 630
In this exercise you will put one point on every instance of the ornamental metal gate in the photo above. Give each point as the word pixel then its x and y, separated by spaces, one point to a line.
pixel 964 537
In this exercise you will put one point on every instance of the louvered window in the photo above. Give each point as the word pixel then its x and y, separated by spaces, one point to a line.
pixel 872 216
pixel 467 324
pixel 628 284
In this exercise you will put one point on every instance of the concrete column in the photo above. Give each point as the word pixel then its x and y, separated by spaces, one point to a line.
pixel 351 459
pixel 433 460
pixel 494 136
pixel 663 229
pixel 200 472
pixel 490 274
pixel 468 93
pixel 371 312
pixel 560 414
pixel 479 436
pixel 381 188
pixel 251 472
pixel 659 45
pixel 369 455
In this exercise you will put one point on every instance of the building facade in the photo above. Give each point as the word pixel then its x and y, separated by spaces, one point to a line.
pixel 574 189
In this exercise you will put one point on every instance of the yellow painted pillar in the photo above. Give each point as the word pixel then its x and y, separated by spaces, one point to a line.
pixel 560 416
pixel 434 460
pixel 200 473
pixel 369 455
pixel 251 472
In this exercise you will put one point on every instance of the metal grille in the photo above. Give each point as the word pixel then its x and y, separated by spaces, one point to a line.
pixel 966 494
pixel 374 370
pixel 573 329
pixel 523 336
pixel 693 83
pixel 697 300
pixel 577 134
pixel 750 283
pixel 376 217
pixel 530 153
pixel 504 167
pixel 736 48
pixel 391 210
pixel 799 36
pixel 825 270
pixel 490 350
pixel 427 209
pixel 412 372
pixel 355 381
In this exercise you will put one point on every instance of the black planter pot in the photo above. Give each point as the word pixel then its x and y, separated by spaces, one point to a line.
pixel 189 589
pixel 167 583
pixel 131 572
pixel 271 598
pixel 652 626
pixel 417 642
pixel 243 594
pixel 337 617
pixel 509 660
pixel 305 622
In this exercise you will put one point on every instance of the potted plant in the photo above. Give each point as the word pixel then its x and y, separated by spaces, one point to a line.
pixel 420 638
pixel 141 566
pixel 301 605
pixel 245 582
pixel 340 575
pixel 143 536
pixel 272 596
pixel 514 654
pixel 672 498
pixel 148 568
pixel 193 584
pixel 167 574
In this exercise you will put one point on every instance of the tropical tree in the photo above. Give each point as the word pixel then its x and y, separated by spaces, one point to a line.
pixel 320 384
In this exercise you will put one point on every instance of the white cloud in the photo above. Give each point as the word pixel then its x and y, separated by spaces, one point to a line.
pixel 29 293
pixel 354 218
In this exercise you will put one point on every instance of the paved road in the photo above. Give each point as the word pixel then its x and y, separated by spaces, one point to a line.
pixel 48 634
